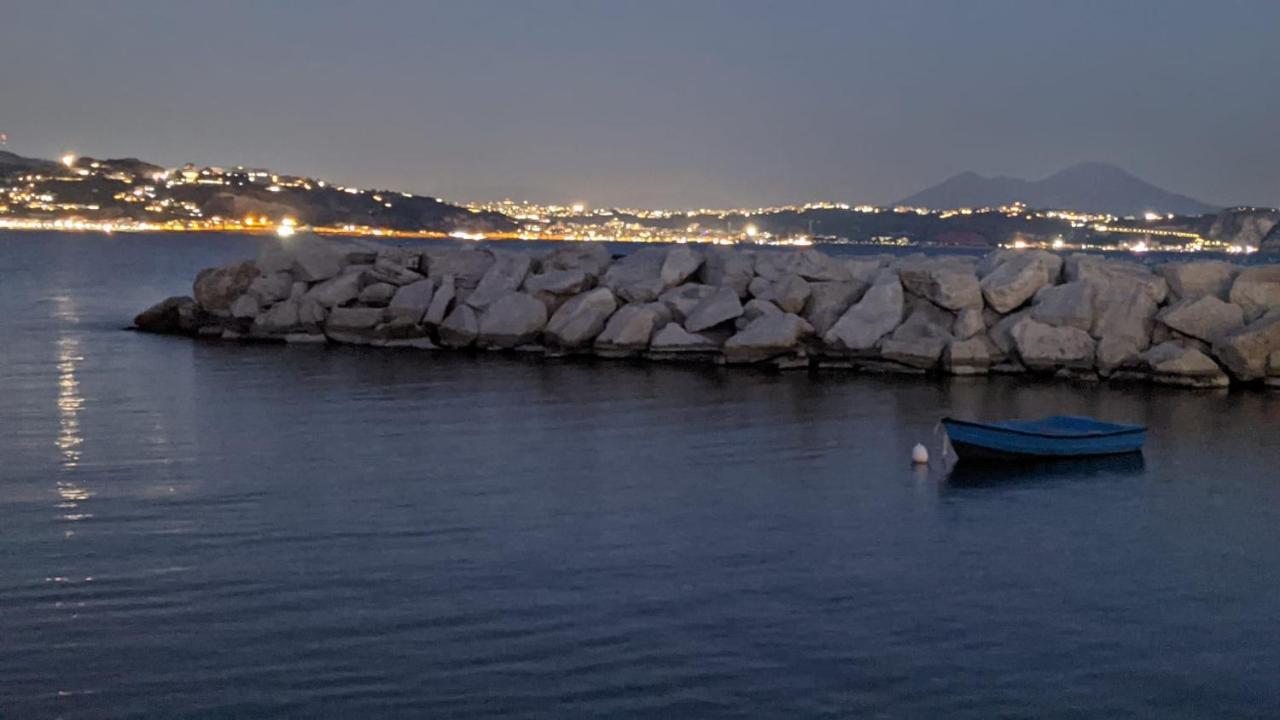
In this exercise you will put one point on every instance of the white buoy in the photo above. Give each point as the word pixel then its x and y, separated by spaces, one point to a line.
pixel 920 454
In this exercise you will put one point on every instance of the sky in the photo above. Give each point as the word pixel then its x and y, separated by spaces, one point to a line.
pixel 656 103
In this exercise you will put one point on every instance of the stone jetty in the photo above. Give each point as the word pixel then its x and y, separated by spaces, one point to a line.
pixel 1198 324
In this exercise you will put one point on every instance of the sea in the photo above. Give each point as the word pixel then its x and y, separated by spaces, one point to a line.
pixel 206 530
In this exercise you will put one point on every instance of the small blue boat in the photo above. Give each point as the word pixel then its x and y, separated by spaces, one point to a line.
pixel 1055 436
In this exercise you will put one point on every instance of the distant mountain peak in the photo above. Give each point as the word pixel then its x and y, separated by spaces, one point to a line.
pixel 1090 186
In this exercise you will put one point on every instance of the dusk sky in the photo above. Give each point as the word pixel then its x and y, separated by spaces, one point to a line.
pixel 651 103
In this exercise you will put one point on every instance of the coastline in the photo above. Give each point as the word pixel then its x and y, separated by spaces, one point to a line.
pixel 1199 324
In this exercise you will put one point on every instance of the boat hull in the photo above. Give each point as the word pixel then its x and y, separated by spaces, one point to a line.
pixel 1058 437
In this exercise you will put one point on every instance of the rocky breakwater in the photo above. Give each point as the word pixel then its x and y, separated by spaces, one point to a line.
pixel 1203 323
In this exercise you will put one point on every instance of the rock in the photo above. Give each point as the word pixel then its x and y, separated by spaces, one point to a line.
pixel 581 318
pixel 679 265
pixel 557 282
pixel 919 341
pixel 637 277
pixel 271 288
pixel 1256 290
pixel 1117 352
pixel 1243 226
pixel 756 309
pixel 385 270
pixel 1123 310
pixel 944 283
pixel 1044 347
pixel 767 337
pixel 336 291
pixel 828 301
pixel 967 357
pixel 867 321
pixel 674 339
pixel 216 288
pixel 311 314
pixel 1102 272
pixel 592 259
pixel 1273 364
pixel 1001 333
pixel 863 270
pixel 788 292
pixel 172 316
pixel 968 323
pixel 719 307
pixel 343 318
pixel 504 276
pixel 307 256
pixel 627 332
pixel 394 254
pixel 1016 280
pixel 1245 351
pixel 305 338
pixel 816 266
pixel 1199 278
pixel 412 300
pixel 298 290
pixel 460 328
pixel 466 265
pixel 511 319
pixel 441 300
pixel 245 307
pixel 725 267
pixel 278 319
pixel 1173 364
pixel 1202 316
pixel 1066 305
pixel 682 300
pixel 379 294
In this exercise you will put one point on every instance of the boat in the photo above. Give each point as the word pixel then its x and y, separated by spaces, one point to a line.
pixel 1057 436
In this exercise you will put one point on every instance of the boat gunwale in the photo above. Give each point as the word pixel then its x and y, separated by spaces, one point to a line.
pixel 1120 430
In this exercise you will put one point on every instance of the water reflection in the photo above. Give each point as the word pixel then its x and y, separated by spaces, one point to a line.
pixel 984 474
pixel 70 403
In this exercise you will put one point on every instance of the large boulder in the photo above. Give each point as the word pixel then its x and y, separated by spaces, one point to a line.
pixel 386 270
pixel 1173 364
pixel 557 282
pixel 968 323
pixel 637 277
pixel 828 301
pixel 511 319
pixel 1243 226
pixel 1204 317
pixel 172 316
pixel 1124 310
pixel 728 267
pixel 378 294
pixel 1199 278
pixel 1100 272
pixel 1045 347
pixel 675 340
pixel 944 283
pixel 789 292
pixel 1245 351
pixel 353 318
pixel 441 302
pixel 271 288
pixel 246 307
pixel 460 328
pixel 1257 290
pixel 816 266
pixel 627 331
pixel 1001 331
pixel 1016 280
pixel 679 265
pixel 919 341
pixel 590 258
pixel 336 291
pixel 767 337
pixel 871 318
pixel 581 318
pixel 864 269
pixel 503 277
pixel 967 357
pixel 1066 305
pixel 720 307
pixel 279 319
pixel 412 300
pixel 1116 352
pixel 308 257
pixel 467 265
pixel 216 288
pixel 683 299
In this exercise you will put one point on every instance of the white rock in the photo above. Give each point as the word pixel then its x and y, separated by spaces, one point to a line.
pixel 871 318
pixel 1066 305
pixel 441 301
pixel 1257 291
pixel 627 331
pixel 504 276
pixel 767 337
pixel 1199 278
pixel 1044 347
pixel 675 339
pixel 412 300
pixel 511 319
pixel 578 322
pixel 720 307
pixel 460 328
pixel 1245 351
pixel 336 291
pixel 679 265
pixel 1202 316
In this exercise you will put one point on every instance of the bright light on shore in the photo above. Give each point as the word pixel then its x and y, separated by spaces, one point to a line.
pixel 752 230
pixel 285 229
pixel 69 159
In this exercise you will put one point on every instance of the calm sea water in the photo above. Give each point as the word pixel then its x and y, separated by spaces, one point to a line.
pixel 198 530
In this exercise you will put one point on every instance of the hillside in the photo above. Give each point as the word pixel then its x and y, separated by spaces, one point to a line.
pixel 1090 187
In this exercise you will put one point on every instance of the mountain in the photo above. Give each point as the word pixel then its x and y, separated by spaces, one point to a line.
pixel 1089 187
pixel 10 163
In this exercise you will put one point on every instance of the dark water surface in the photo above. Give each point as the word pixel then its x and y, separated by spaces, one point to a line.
pixel 198 530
